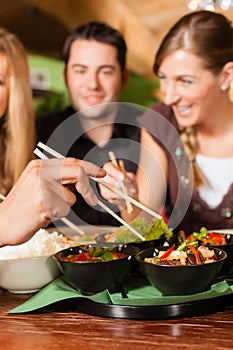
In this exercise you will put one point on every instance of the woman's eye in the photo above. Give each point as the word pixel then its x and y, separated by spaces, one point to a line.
pixel 187 82
pixel 161 77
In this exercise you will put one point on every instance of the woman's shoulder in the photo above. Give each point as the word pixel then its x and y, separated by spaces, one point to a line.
pixel 165 110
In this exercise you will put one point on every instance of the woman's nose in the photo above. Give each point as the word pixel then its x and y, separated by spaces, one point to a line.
pixel 170 94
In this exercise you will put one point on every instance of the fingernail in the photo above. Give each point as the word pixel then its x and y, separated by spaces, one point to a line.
pixel 101 172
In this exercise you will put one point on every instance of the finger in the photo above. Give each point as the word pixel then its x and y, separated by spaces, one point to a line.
pixel 107 194
pixel 66 169
pixel 56 200
pixel 84 188
pixel 114 172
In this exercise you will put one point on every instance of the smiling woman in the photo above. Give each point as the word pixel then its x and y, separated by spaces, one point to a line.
pixel 194 128
pixel 195 78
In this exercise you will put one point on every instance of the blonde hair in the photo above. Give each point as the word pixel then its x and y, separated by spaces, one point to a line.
pixel 17 126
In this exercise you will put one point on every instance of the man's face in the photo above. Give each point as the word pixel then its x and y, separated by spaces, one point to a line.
pixel 93 76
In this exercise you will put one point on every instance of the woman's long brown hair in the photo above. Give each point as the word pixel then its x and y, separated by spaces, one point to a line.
pixel 208 35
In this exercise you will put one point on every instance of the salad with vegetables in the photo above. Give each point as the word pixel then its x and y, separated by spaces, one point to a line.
pixel 204 237
pixel 95 254
pixel 153 230
pixel 192 251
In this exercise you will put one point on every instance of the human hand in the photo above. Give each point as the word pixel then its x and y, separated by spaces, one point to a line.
pixel 42 194
pixel 115 178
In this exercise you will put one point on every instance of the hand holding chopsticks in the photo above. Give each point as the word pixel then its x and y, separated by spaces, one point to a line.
pixel 125 196
pixel 102 182
pixel 66 221
pixel 41 195
pixel 57 155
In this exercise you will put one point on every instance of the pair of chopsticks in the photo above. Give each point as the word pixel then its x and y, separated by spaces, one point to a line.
pixel 121 166
pixel 102 182
pixel 55 154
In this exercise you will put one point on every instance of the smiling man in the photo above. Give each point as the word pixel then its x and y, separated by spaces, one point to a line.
pixel 95 123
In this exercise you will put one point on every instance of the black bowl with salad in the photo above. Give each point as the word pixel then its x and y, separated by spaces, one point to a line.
pixel 188 268
pixel 221 240
pixel 156 233
pixel 92 269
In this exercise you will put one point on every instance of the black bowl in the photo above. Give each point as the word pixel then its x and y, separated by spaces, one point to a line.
pixel 101 239
pixel 228 248
pixel 180 279
pixel 91 277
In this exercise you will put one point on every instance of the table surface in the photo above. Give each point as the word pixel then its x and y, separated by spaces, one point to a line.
pixel 61 327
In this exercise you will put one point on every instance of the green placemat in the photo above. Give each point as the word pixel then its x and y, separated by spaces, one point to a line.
pixel 139 293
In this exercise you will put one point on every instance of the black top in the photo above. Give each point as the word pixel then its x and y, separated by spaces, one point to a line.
pixel 63 132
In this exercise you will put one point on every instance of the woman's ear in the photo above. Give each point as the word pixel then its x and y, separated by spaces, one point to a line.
pixel 227 75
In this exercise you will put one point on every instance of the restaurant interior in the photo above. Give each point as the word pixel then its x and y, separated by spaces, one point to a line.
pixel 59 315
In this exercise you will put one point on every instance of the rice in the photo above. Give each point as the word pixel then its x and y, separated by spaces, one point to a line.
pixel 42 243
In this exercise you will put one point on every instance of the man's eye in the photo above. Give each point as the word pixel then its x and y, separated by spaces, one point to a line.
pixel 106 72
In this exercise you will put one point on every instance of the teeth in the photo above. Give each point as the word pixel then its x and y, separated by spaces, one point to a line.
pixel 183 108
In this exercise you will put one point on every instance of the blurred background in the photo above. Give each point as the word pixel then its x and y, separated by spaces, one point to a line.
pixel 43 25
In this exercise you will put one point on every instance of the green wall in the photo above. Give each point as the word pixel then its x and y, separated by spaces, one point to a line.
pixel 139 90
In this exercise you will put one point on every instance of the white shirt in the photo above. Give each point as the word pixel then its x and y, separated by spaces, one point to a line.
pixel 218 173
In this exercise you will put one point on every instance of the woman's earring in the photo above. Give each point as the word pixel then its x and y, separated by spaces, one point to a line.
pixel 230 92
pixel 223 87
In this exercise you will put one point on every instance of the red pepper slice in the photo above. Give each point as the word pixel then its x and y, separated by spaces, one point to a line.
pixel 217 238
pixel 83 257
pixel 167 253
pixel 195 253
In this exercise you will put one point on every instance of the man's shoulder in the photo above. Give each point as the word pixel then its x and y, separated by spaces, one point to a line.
pixel 54 118
pixel 46 124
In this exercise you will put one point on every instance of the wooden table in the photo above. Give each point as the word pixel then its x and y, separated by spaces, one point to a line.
pixel 64 328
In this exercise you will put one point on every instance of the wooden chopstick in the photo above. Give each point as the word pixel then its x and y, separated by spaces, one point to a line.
pixel 132 200
pixel 121 166
pixel 65 220
pixel 102 182
pixel 55 154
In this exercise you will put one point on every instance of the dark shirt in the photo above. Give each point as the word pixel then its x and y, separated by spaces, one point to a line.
pixel 63 132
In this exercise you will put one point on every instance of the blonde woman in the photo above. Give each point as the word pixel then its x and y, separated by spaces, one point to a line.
pixel 16 111
pixel 194 130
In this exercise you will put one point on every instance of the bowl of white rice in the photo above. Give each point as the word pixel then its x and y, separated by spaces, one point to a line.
pixel 28 267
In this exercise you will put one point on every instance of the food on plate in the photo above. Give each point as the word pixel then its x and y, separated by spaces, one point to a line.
pixel 152 230
pixel 42 243
pixel 95 254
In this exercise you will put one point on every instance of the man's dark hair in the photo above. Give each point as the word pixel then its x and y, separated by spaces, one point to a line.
pixel 101 32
